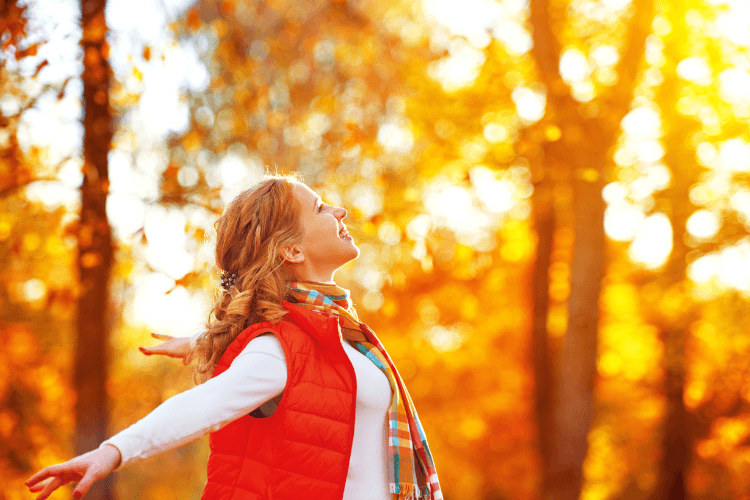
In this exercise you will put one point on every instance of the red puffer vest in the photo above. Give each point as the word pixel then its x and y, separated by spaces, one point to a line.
pixel 302 450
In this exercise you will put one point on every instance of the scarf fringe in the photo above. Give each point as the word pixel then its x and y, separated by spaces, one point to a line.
pixel 408 491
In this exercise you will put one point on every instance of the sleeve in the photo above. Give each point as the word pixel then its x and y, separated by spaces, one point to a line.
pixel 256 375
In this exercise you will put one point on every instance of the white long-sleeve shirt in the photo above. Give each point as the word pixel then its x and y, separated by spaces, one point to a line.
pixel 257 375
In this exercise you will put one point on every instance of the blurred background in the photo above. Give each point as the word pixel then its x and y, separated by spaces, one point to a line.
pixel 551 198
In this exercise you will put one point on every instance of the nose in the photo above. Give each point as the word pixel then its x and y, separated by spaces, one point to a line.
pixel 339 213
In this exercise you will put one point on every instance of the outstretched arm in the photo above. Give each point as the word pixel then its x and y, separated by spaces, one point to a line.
pixel 257 375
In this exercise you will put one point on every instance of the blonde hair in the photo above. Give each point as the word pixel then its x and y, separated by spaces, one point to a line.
pixel 250 234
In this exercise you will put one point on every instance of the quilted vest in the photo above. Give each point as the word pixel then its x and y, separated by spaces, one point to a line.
pixel 302 450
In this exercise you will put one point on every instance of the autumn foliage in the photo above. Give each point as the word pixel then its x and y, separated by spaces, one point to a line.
pixel 551 199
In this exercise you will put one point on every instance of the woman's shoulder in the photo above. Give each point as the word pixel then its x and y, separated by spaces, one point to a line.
pixel 266 343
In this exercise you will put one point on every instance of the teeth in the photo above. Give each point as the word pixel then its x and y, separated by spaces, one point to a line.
pixel 343 233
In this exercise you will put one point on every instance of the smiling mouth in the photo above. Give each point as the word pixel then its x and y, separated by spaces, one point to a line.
pixel 343 233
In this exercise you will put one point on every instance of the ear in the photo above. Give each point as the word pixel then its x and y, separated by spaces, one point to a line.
pixel 293 254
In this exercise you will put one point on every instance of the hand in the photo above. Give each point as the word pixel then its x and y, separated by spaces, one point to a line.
pixel 86 469
pixel 174 347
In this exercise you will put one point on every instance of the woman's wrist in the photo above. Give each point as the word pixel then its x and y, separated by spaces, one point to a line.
pixel 111 453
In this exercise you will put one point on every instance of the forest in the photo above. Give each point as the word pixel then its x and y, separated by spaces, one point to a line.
pixel 551 199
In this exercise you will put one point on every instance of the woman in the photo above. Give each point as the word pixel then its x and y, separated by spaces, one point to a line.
pixel 285 370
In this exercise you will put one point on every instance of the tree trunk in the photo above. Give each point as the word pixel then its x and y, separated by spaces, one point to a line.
pixel 574 406
pixel 676 443
pixel 94 242
pixel 544 219
pixel 582 152
pixel 676 440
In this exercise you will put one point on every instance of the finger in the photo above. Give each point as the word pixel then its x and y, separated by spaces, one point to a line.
pixel 40 486
pixel 158 349
pixel 84 484
pixel 43 474
pixel 49 488
pixel 161 336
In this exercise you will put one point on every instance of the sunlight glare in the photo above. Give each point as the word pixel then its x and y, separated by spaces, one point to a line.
pixel 496 195
pixel 734 265
pixel 734 85
pixel 617 5
pixel 452 203
pixel 366 198
pixel 447 339
pixel 419 227
pixel 470 18
pixel 702 269
pixel 605 56
pixel 583 91
pixel 237 174
pixel 740 202
pixel 614 192
pixel 658 176
pixel 730 266
pixel 622 221
pixel 530 105
pixel 453 207
pixel 734 23
pixel 574 67
pixel 141 18
pixel 642 123
pixel 53 194
pixel 395 137
pixel 162 108
pixel 33 289
pixel 653 243
pixel 165 234
pixel 53 126
pixel 460 68
pixel 734 155
pixel 167 309
pixel 495 132
pixel 703 224
pixel 695 69
pixel 649 151
pixel 125 213
pixel 515 37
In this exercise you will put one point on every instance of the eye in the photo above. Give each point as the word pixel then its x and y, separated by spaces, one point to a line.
pixel 320 207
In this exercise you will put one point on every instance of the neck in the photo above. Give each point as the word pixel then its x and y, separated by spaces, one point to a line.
pixel 314 282
pixel 302 272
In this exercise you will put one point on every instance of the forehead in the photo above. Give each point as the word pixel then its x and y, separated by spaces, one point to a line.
pixel 304 194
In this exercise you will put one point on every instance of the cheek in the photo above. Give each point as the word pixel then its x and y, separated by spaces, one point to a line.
pixel 322 233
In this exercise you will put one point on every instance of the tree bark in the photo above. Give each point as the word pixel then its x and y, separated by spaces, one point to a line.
pixel 95 249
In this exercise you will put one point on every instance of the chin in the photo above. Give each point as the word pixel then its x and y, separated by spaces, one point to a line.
pixel 353 255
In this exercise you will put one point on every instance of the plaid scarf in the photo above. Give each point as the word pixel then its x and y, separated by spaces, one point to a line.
pixel 411 471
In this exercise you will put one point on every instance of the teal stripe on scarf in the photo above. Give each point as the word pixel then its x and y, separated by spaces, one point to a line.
pixel 364 350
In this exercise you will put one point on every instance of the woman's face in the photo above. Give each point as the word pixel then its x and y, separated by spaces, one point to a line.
pixel 326 245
